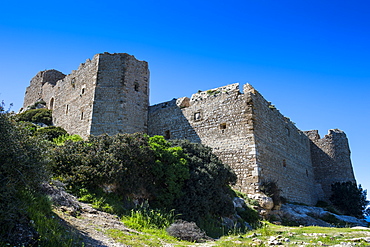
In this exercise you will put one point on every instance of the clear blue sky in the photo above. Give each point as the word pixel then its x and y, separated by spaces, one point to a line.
pixel 309 58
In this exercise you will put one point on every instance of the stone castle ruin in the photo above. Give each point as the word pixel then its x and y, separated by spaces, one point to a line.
pixel 110 94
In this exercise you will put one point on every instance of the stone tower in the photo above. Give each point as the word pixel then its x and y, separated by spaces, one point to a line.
pixel 108 94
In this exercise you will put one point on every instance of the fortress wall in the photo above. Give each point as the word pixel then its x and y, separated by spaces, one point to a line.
pixel 73 97
pixel 331 159
pixel 219 118
pixel 167 119
pixel 34 91
pixel 283 152
pixel 122 95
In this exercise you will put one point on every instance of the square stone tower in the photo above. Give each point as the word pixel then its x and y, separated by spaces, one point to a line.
pixel 106 95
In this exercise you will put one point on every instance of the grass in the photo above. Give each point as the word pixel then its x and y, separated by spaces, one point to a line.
pixel 47 223
pixel 297 236
pixel 151 223
pixel 151 227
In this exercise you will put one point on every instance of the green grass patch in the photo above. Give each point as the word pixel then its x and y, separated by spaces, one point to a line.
pixel 148 237
pixel 47 223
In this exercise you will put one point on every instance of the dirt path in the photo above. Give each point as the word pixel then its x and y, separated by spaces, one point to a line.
pixel 91 225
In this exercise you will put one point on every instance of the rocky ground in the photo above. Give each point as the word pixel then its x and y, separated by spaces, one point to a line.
pixel 92 225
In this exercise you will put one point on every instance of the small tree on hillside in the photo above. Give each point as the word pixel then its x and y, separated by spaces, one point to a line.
pixel 349 199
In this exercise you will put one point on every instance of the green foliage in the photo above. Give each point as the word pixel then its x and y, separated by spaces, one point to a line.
pixel 60 140
pixel 22 167
pixel 170 171
pixel 349 199
pixel 46 223
pixel 144 217
pixel 207 190
pixel 36 116
pixel 23 211
pixel 137 166
pixel 107 202
pixel 51 132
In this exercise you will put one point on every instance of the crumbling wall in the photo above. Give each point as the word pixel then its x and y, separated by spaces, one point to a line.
pixel 122 95
pixel 108 94
pixel 283 152
pixel 219 118
pixel 73 98
pixel 331 159
pixel 34 92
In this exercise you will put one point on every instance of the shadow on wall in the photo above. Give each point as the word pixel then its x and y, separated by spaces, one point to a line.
pixel 325 169
pixel 167 119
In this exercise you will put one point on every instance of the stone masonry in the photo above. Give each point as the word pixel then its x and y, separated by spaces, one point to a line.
pixel 110 94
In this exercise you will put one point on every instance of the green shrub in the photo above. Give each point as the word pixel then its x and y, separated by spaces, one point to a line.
pixel 170 170
pixel 145 217
pixel 207 190
pixel 23 160
pixel 349 198
pixel 138 167
pixel 51 132
pixel 60 140
pixel 36 116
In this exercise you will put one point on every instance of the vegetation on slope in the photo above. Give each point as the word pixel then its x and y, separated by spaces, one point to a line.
pixel 148 181
pixel 25 214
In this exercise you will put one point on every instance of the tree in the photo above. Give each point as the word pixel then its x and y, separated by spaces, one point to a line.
pixel 349 199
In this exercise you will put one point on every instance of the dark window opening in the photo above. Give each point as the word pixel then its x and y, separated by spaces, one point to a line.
pixel 306 173
pixel 284 163
pixel 136 87
pixel 82 115
pixel 167 134
pixel 223 126
pixel 51 105
pixel 197 116
pixel 288 131
pixel 67 109
pixel 83 91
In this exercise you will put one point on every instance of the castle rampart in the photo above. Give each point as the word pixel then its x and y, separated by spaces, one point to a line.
pixel 331 159
pixel 110 94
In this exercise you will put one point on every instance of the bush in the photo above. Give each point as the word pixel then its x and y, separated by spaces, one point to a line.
pixel 36 116
pixel 60 140
pixel 51 132
pixel 349 199
pixel 207 190
pixel 138 167
pixel 187 231
pixel 22 168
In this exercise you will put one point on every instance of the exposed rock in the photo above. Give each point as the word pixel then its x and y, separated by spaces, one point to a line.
pixel 238 202
pixel 264 201
pixel 312 216
pixel 61 198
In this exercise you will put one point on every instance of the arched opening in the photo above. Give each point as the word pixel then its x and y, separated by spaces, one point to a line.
pixel 51 104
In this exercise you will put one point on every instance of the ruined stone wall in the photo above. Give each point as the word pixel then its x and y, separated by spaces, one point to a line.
pixel 71 99
pixel 331 159
pixel 108 94
pixel 34 91
pixel 283 152
pixel 247 133
pixel 219 119
pixel 122 95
